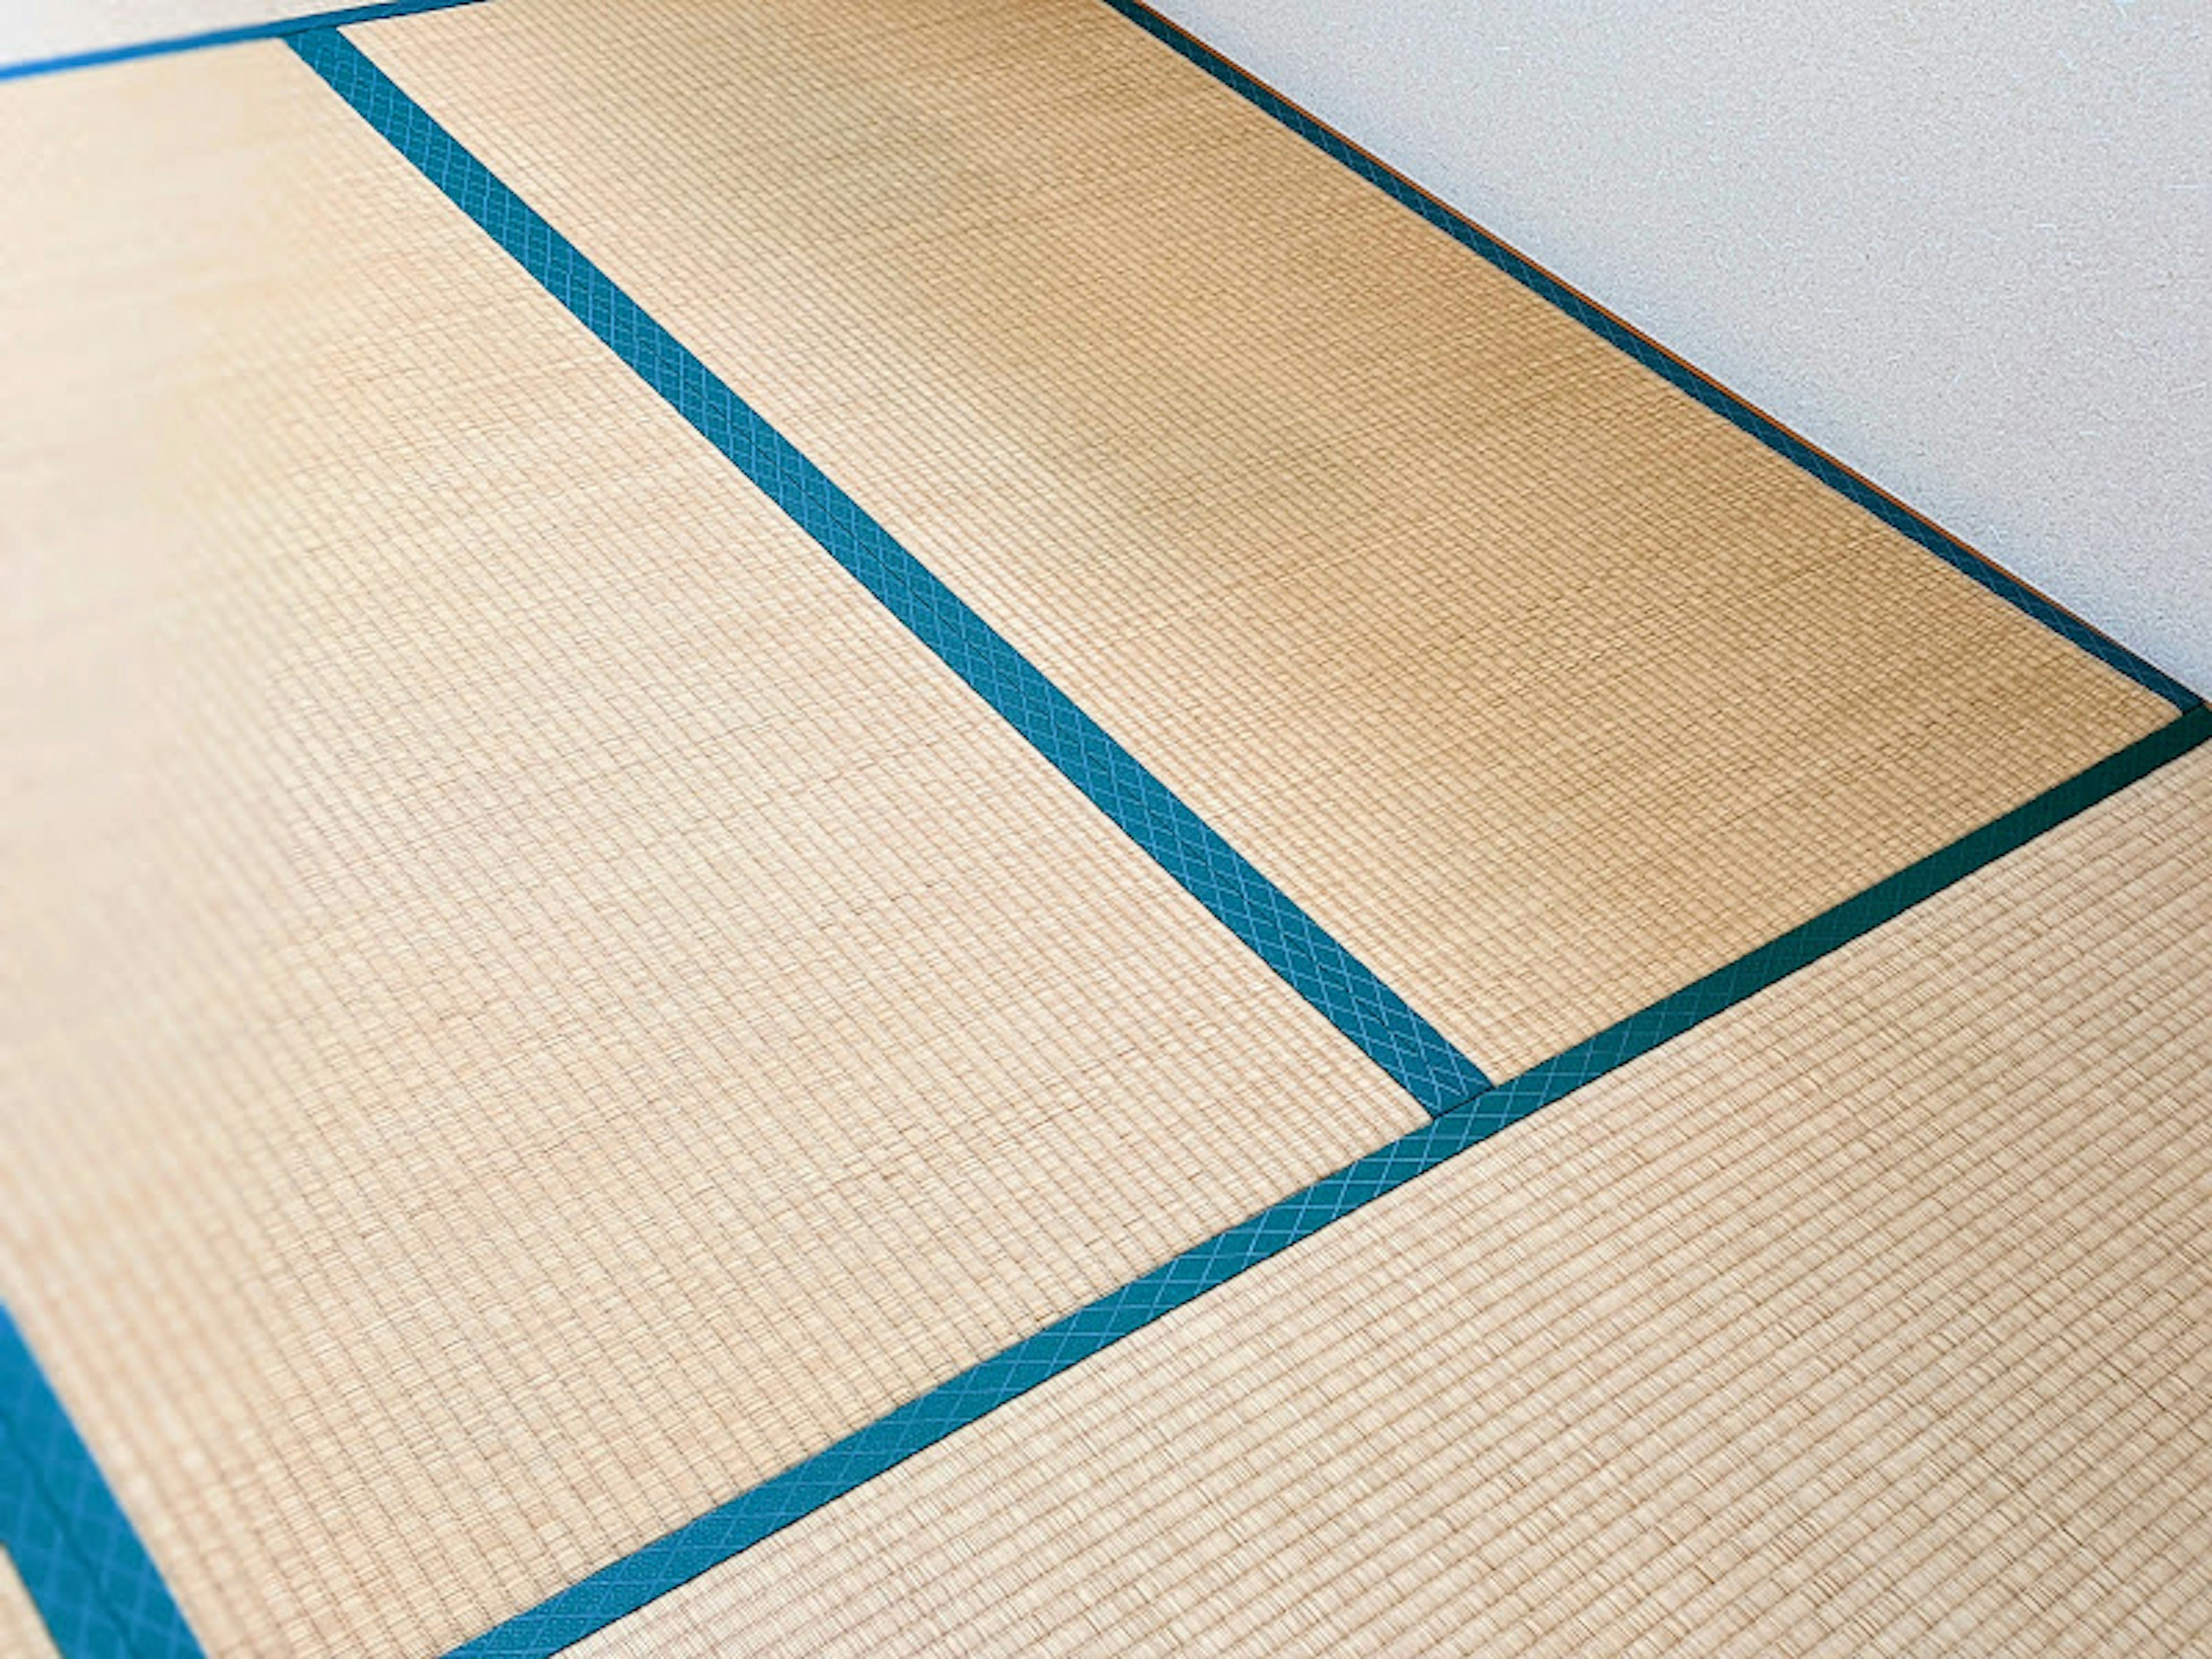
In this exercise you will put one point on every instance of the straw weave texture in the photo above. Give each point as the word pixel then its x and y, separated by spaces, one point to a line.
pixel 1541 687
pixel 1875 1316
pixel 22 1632
pixel 532 1003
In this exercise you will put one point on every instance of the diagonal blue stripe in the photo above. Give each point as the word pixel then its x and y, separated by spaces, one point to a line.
pixel 100 1594
pixel 1725 403
pixel 1253 908
pixel 1090 759
pixel 624 1586
pixel 268 31
pixel 75 1549
pixel 77 1553
pixel 1724 988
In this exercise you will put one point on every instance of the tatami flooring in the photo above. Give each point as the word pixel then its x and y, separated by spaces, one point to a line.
pixel 874 828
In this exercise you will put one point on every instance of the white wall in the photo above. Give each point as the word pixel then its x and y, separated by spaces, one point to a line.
pixel 1964 247
pixel 34 30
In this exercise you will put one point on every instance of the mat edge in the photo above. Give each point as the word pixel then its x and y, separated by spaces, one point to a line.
pixel 617 1589
pixel 1364 1008
pixel 1678 371
pixel 93 1561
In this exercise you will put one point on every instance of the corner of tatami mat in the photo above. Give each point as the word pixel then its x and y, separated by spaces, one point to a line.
pixel 536 1004
pixel 1541 687
pixel 1870 1317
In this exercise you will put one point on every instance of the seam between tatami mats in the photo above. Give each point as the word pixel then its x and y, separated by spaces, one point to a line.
pixel 1463 1120
pixel 89 1575
pixel 275 29
pixel 1744 416
pixel 623 1586
pixel 88 1552
pixel 1387 1029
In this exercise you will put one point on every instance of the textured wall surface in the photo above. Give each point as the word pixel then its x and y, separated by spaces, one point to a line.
pixel 34 30
pixel 1965 247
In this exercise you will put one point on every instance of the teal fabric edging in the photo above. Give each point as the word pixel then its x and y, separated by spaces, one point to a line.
pixel 981 657
pixel 1694 1003
pixel 626 1585
pixel 623 1586
pixel 75 1549
pixel 1724 402
pixel 1359 1004
pixel 100 1594
pixel 276 29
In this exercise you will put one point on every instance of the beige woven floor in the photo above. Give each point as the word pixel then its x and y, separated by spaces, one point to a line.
pixel 1542 689
pixel 531 1003
pixel 1875 1316
pixel 23 1633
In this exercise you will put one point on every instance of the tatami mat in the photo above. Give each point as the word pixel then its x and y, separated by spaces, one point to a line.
pixel 1875 1316
pixel 1543 689
pixel 23 1633
pixel 531 1002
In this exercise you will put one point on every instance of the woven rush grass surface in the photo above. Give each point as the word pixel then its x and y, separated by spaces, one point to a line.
pixel 1542 688
pixel 23 1633
pixel 1873 1317
pixel 547 1031
pixel 532 1003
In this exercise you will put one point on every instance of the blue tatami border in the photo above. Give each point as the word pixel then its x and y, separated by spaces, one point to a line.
pixel 277 28
pixel 100 1594
pixel 622 1587
pixel 75 1549
pixel 1370 1013
pixel 1746 417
